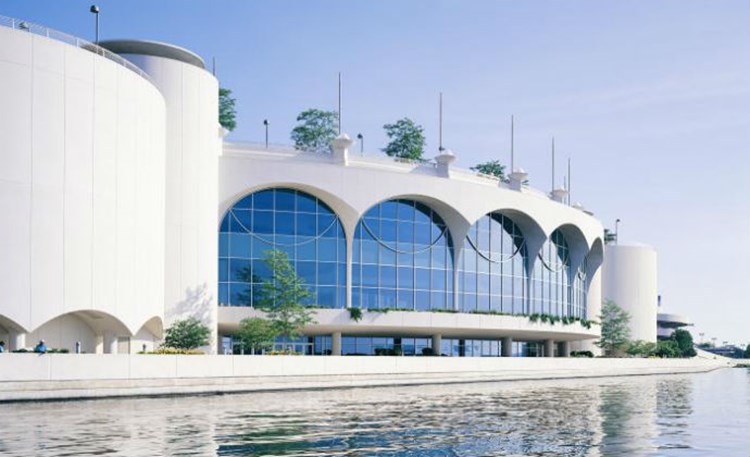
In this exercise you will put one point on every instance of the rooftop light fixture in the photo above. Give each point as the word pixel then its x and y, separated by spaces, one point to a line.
pixel 361 139
pixel 95 10
pixel 265 124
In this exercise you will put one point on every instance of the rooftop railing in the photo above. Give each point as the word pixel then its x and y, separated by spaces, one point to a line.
pixel 368 156
pixel 41 30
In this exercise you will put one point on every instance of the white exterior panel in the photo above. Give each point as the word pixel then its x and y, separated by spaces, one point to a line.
pixel 81 147
pixel 629 278
pixel 191 177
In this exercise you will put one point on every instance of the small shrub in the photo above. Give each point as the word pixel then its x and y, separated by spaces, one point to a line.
pixel 172 351
pixel 355 314
pixel 587 354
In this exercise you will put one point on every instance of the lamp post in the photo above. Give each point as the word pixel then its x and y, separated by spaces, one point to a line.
pixel 701 335
pixel 361 139
pixel 617 231
pixel 95 10
pixel 265 124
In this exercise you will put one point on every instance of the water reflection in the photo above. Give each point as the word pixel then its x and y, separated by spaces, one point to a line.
pixel 671 415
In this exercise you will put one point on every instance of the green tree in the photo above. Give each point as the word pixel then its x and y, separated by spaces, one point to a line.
pixel 641 348
pixel 667 349
pixel 684 341
pixel 188 333
pixel 406 139
pixel 747 352
pixel 615 330
pixel 315 131
pixel 227 111
pixel 609 236
pixel 492 168
pixel 256 333
pixel 283 295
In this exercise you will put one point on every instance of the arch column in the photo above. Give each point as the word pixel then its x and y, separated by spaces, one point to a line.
pixel 17 340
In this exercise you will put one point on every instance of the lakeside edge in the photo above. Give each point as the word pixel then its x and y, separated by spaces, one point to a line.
pixel 30 377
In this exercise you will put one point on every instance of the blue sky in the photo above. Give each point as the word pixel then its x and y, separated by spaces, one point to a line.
pixel 650 99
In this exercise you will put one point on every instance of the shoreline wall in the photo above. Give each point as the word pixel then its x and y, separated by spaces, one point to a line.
pixel 32 377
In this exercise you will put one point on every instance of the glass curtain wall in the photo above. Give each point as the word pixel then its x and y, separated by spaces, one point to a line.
pixel 288 220
pixel 551 281
pixel 579 302
pixel 493 271
pixel 402 258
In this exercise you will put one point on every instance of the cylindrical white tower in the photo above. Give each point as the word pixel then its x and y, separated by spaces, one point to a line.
pixel 629 279
pixel 81 195
pixel 193 147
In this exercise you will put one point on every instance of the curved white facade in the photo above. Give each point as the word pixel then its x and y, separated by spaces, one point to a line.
pixel 630 279
pixel 130 212
pixel 81 196
pixel 193 146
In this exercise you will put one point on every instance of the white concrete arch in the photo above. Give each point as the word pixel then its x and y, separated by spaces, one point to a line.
pixel 148 336
pixel 96 331
pixel 533 233
pixel 595 257
pixel 12 333
pixel 577 244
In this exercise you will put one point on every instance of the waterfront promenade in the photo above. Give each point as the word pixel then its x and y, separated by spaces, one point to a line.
pixel 28 377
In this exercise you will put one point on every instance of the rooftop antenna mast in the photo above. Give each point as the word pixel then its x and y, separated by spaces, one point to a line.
pixel 440 124
pixel 553 163
pixel 339 104
pixel 570 180
pixel 213 66
pixel 512 144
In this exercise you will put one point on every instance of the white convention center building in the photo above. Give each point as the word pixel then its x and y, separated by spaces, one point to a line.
pixel 123 209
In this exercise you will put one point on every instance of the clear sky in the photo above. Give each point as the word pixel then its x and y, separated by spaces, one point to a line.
pixel 650 99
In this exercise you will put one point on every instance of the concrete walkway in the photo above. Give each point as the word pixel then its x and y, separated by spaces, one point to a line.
pixel 30 377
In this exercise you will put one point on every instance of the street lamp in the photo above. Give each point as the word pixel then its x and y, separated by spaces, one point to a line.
pixel 95 10
pixel 617 231
pixel 361 139
pixel 701 335
pixel 265 124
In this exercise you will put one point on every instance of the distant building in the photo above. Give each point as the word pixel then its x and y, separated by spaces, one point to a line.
pixel 667 323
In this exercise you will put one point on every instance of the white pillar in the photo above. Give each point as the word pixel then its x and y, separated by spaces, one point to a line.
pixel 507 349
pixel 444 161
pixel 559 194
pixel 517 178
pixel 112 345
pixel 565 349
pixel 99 344
pixel 341 146
pixel 549 348
pixel 17 341
pixel 336 343
pixel 437 342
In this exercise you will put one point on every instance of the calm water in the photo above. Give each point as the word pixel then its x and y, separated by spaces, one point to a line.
pixel 690 415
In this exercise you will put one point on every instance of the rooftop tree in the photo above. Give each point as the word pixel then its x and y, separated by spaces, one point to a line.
pixel 227 111
pixel 315 131
pixel 492 168
pixel 406 139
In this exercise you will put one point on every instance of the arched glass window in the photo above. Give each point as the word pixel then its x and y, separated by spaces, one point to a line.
pixel 492 275
pixel 579 302
pixel 287 220
pixel 402 258
pixel 550 283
